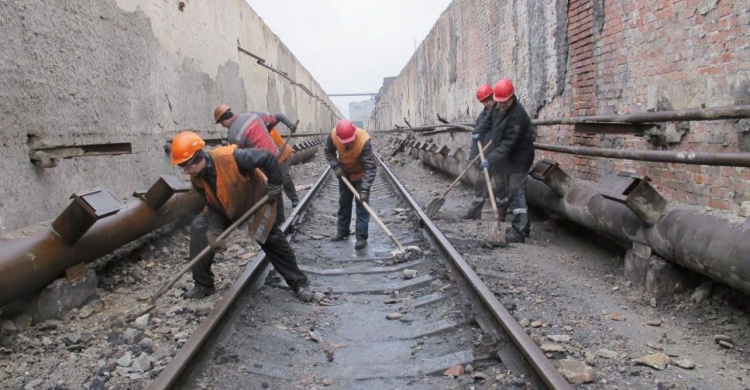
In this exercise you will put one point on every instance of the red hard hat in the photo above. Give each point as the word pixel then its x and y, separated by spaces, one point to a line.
pixel 483 92
pixel 345 131
pixel 503 90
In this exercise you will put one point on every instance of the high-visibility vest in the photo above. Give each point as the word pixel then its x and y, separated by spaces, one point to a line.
pixel 287 152
pixel 349 158
pixel 236 193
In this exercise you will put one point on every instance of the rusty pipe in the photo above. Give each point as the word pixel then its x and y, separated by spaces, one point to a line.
pixel 700 114
pixel 303 154
pixel 28 264
pixel 714 246
pixel 720 159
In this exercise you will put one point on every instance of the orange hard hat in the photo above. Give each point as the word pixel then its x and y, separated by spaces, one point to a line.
pixel 219 111
pixel 503 90
pixel 184 146
pixel 345 131
pixel 483 92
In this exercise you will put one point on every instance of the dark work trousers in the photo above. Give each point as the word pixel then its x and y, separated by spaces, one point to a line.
pixel 345 211
pixel 276 248
pixel 289 189
pixel 510 190
pixel 480 193
pixel 280 210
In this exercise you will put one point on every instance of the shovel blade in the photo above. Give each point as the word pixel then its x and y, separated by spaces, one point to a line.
pixel 496 235
pixel 435 206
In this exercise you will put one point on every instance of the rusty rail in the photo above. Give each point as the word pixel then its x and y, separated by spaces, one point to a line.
pixel 695 158
pixel 700 114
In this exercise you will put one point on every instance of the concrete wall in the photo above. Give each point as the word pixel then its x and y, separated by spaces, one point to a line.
pixel 584 57
pixel 139 71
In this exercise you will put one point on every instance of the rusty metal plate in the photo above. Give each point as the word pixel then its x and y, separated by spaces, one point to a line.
pixel 542 169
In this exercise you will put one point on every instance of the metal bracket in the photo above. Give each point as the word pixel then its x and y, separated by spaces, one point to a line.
pixel 550 173
pixel 85 209
pixel 634 191
pixel 163 189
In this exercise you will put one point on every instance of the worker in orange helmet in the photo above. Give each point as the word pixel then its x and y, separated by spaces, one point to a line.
pixel 510 157
pixel 349 153
pixel 484 96
pixel 258 130
pixel 231 180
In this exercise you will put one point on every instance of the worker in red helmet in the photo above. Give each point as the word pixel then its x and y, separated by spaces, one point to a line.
pixel 350 155
pixel 484 96
pixel 510 157
pixel 231 180
pixel 257 130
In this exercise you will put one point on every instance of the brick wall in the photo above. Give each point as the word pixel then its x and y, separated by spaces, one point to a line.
pixel 596 57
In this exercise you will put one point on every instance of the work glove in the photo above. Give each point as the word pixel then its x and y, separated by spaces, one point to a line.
pixel 273 190
pixel 293 128
pixel 364 195
pixel 485 164
pixel 339 172
pixel 213 240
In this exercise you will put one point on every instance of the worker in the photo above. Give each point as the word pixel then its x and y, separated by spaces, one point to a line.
pixel 356 162
pixel 231 180
pixel 510 157
pixel 484 96
pixel 252 130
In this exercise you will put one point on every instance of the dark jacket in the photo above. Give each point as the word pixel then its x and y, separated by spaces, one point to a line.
pixel 512 138
pixel 479 134
pixel 368 161
pixel 247 160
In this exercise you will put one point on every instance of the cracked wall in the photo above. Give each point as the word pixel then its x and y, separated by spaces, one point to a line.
pixel 137 71
pixel 578 57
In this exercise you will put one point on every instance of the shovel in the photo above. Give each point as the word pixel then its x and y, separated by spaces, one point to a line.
pixel 434 206
pixel 281 151
pixel 497 232
pixel 152 301
pixel 400 252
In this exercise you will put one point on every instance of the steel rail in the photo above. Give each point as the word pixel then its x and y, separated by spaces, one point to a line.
pixel 536 358
pixel 531 352
pixel 181 360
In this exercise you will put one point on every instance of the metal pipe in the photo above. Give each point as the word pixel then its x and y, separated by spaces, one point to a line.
pixel 714 246
pixel 720 159
pixel 28 264
pixel 302 155
pixel 700 114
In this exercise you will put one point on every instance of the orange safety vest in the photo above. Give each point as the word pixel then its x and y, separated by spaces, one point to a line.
pixel 349 158
pixel 283 154
pixel 236 193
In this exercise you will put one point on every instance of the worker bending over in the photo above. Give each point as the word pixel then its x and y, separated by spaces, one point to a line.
pixel 257 130
pixel 231 180
pixel 511 156
pixel 356 162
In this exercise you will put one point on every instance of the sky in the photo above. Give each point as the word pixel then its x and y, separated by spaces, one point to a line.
pixel 349 46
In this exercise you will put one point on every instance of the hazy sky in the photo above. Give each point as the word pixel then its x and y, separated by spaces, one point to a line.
pixel 350 45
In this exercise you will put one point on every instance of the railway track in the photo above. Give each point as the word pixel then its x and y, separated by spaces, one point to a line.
pixel 384 323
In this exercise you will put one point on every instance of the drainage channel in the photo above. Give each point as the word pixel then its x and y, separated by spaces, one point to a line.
pixel 385 322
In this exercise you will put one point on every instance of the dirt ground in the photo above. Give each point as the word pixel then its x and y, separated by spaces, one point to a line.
pixel 571 281
pixel 564 281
